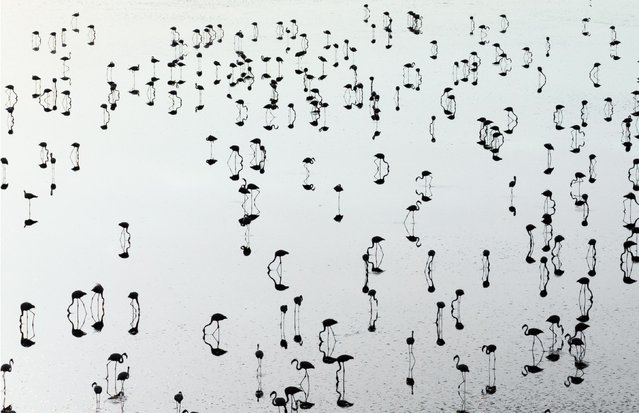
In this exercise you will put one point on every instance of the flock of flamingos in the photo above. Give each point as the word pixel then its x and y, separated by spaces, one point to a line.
pixel 294 62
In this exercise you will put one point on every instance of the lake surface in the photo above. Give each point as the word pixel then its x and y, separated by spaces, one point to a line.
pixel 185 215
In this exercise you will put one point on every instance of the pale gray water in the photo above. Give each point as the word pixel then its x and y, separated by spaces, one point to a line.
pixel 185 261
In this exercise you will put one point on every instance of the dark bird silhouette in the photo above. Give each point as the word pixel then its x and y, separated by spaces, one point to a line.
pixel 580 328
pixel 217 317
pixel 460 367
pixel 134 298
pixel 338 188
pixel 574 341
pixel 328 325
pixel 29 196
pixel 76 297
pixel 491 387
pixel 411 340
pixel 178 400
pixel 290 392
pixel 277 257
pixel 26 307
pixel 411 210
pixel 97 389
pixel 378 253
pixel 122 377
pixel 115 358
pixel 554 320
pixel 529 229
pixel 458 294
pixel 463 369
pixel 278 401
pixel 303 365
pixel 439 323
pixel 340 361
pixel 533 332
pixel 489 349
pixel 7 367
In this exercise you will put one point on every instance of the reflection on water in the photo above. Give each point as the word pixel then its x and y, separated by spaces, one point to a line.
pixel 491 387
pixel 76 316
pixel 27 329
pixel 277 270
pixel 97 310
pixel 214 335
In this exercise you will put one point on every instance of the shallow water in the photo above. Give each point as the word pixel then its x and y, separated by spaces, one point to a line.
pixel 148 169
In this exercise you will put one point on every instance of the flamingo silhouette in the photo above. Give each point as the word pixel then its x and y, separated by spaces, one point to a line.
pixel 328 327
pixel 279 401
pixel 278 256
pixel 463 369
pixel 303 365
pixel 178 400
pixel 534 332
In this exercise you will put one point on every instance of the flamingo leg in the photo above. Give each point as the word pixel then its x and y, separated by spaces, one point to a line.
pixel 464 386
pixel 115 384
